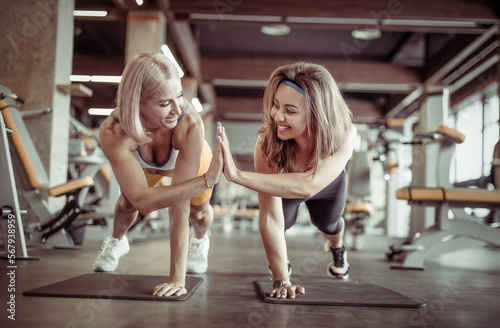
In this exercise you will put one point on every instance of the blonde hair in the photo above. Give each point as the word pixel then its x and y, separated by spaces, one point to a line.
pixel 328 116
pixel 141 79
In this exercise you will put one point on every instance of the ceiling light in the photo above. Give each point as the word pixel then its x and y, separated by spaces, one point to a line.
pixel 240 18
pixel 90 13
pixel 275 29
pixel 105 78
pixel 95 78
pixel 240 83
pixel 428 23
pixel 139 2
pixel 100 111
pixel 377 87
pixel 170 56
pixel 332 20
pixel 366 34
pixel 79 78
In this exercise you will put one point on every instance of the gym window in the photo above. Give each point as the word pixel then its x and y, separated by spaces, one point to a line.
pixel 478 118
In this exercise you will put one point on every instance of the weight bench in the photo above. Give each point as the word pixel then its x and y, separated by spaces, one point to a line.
pixel 32 181
pixel 358 208
pixel 249 217
pixel 447 234
pixel 363 208
pixel 225 214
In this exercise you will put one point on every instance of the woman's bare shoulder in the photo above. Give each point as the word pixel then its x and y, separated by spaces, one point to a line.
pixel 113 136
pixel 190 127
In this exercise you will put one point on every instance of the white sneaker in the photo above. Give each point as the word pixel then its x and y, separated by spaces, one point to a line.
pixel 111 251
pixel 197 261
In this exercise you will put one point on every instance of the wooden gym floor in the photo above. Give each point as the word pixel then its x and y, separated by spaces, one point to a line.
pixel 461 289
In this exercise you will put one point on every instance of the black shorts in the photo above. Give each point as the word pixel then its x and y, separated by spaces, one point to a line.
pixel 325 208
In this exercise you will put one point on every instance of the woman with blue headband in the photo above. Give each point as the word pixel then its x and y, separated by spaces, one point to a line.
pixel 300 156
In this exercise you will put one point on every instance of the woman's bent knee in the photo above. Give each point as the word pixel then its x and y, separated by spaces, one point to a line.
pixel 124 205
pixel 198 212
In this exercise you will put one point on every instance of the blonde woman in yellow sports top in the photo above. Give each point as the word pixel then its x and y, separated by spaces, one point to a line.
pixel 153 133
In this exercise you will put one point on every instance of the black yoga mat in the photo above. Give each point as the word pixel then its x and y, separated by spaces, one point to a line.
pixel 113 286
pixel 321 291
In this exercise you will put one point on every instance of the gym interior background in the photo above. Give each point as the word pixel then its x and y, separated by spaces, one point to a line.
pixel 406 68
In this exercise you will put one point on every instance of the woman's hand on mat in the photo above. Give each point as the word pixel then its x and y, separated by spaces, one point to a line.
pixel 230 169
pixel 215 170
pixel 288 291
pixel 169 289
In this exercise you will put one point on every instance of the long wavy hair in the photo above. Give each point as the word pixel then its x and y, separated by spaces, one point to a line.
pixel 328 116
pixel 142 77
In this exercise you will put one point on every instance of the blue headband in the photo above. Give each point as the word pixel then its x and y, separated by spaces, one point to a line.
pixel 293 85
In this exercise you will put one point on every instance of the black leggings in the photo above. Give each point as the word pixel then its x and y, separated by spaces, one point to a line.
pixel 325 208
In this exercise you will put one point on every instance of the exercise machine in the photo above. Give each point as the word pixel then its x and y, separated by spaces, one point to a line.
pixel 10 212
pixel 22 169
pixel 448 233
pixel 358 207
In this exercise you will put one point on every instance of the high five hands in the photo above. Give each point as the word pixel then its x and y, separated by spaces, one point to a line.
pixel 215 170
pixel 230 170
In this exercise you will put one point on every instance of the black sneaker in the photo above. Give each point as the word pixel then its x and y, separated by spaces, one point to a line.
pixel 338 266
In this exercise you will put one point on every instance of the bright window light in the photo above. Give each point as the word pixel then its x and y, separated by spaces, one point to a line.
pixel 197 105
pixel 90 13
pixel 170 56
pixel 100 111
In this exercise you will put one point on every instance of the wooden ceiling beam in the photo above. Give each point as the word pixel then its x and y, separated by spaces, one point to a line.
pixel 250 109
pixel 216 69
pixel 121 4
pixel 92 64
pixel 188 49
pixel 457 58
pixel 441 70
pixel 240 108
pixel 373 9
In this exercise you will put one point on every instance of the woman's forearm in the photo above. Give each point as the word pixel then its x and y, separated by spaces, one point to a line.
pixel 154 198
pixel 273 238
pixel 288 185
pixel 179 241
